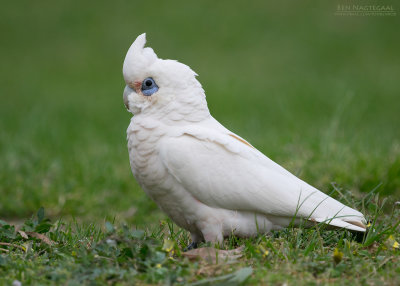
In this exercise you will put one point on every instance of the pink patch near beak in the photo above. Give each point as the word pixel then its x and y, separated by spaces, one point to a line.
pixel 137 85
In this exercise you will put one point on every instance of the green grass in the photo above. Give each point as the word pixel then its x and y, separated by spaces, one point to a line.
pixel 86 254
pixel 315 92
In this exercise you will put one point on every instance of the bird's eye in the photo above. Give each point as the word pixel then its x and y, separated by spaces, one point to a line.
pixel 149 86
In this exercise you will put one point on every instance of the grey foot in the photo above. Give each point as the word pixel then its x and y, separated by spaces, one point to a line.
pixel 191 246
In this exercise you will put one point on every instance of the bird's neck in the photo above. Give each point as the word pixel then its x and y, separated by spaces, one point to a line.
pixel 180 111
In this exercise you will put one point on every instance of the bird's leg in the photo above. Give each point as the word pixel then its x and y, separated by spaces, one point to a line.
pixel 211 233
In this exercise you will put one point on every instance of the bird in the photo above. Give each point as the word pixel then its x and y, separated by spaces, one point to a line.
pixel 207 179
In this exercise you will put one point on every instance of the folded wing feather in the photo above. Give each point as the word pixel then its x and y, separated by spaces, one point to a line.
pixel 222 170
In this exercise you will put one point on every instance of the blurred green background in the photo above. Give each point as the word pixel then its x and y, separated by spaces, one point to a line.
pixel 317 93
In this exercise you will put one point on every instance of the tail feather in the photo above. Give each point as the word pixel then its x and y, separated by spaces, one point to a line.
pixel 350 225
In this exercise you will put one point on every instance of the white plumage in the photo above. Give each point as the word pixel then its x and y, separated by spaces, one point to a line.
pixel 207 179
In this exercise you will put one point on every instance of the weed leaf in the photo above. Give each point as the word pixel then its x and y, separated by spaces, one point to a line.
pixel 40 214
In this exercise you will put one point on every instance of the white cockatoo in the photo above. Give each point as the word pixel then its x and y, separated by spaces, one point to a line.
pixel 207 179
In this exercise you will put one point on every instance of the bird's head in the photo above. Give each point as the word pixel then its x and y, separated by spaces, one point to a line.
pixel 163 88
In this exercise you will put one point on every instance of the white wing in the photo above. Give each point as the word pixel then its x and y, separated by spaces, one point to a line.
pixel 222 170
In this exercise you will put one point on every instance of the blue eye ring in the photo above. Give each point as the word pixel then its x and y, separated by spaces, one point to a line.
pixel 149 86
